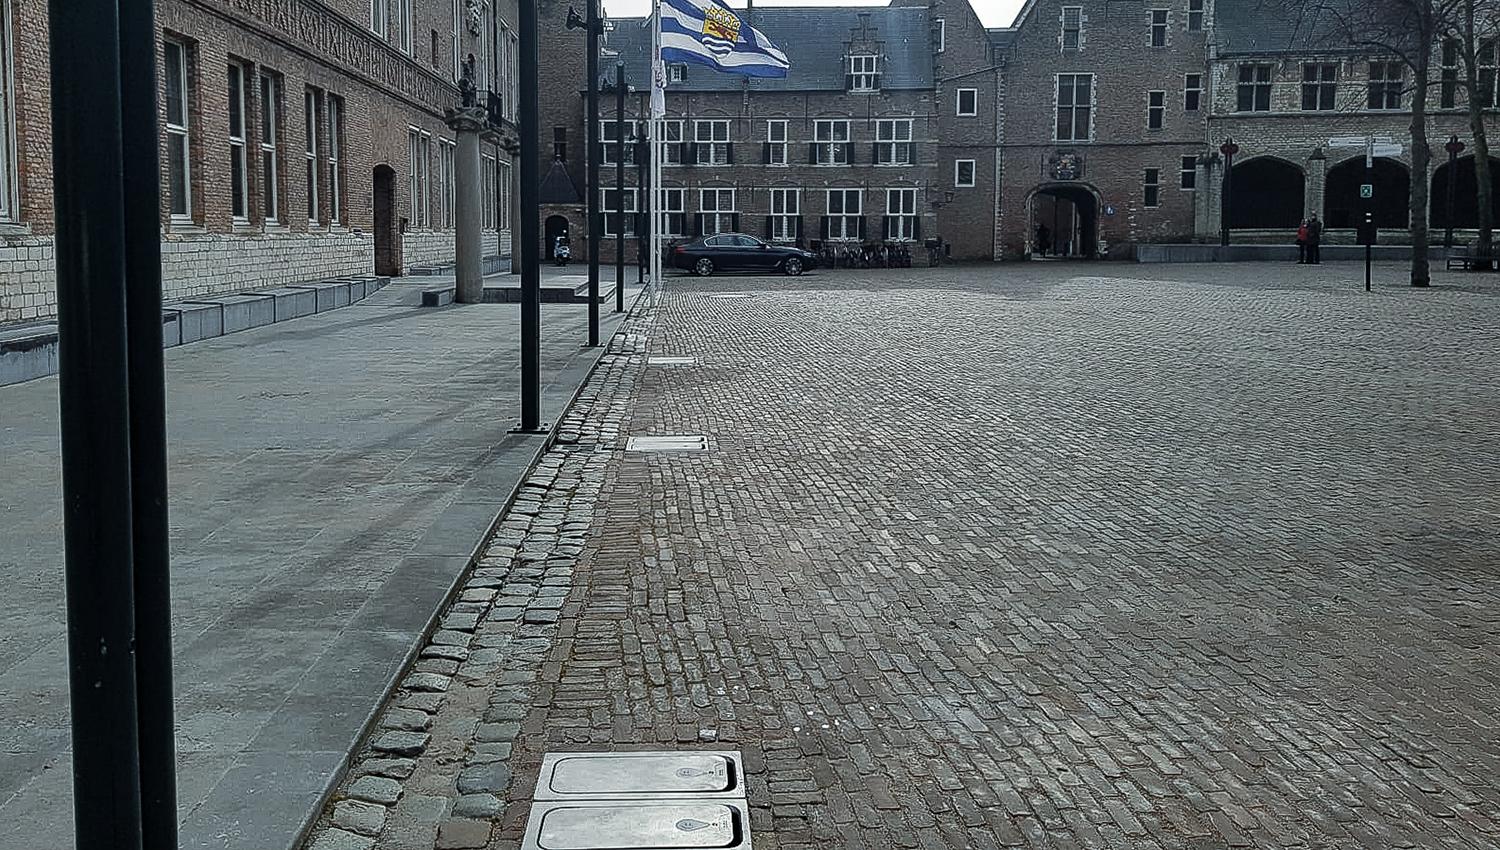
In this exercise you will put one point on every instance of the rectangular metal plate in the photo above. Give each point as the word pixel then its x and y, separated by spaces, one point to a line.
pixel 726 296
pixel 639 825
pixel 674 443
pixel 671 361
pixel 603 776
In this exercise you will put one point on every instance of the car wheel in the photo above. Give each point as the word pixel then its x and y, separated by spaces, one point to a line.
pixel 704 267
pixel 793 266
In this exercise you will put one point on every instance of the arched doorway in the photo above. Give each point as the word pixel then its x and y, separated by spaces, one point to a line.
pixel 1268 194
pixel 1391 204
pixel 1070 214
pixel 1465 194
pixel 387 238
pixel 557 225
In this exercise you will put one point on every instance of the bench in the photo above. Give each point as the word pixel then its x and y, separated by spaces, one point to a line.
pixel 1470 257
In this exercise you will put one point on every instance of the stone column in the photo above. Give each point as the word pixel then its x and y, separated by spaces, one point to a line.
pixel 467 123
pixel 1317 184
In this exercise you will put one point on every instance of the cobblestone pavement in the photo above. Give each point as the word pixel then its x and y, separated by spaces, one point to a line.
pixel 1045 557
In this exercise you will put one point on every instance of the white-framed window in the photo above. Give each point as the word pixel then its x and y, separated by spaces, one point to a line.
pixel 487 192
pixel 458 22
pixel 610 143
pixel 1195 15
pixel 1152 186
pixel 270 148
pixel 239 157
pixel 786 215
pixel 711 142
pixel 335 110
pixel 963 173
pixel 407 34
pixel 1189 176
pixel 671 135
pixel 676 73
pixel 179 153
pixel 1156 110
pixel 716 211
pixel 776 153
pixel 674 210
pixel 502 211
pixel 1075 107
pixel 831 142
pixel 1387 79
pixel 1487 57
pixel 310 154
pixel 8 160
pixel 445 188
pixel 900 214
pixel 942 34
pixel 1253 91
pixel 513 77
pixel 380 17
pixel 419 153
pixel 1448 93
pixel 1320 86
pixel 893 141
pixel 967 105
pixel 609 206
pixel 845 219
pixel 864 73
pixel 1192 92
pixel 1159 20
pixel 1072 28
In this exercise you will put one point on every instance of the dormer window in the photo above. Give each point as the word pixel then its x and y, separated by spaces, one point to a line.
pixel 676 73
pixel 864 73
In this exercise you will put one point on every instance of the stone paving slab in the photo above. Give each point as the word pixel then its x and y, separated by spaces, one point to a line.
pixel 325 474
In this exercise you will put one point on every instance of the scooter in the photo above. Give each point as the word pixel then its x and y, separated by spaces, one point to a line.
pixel 561 253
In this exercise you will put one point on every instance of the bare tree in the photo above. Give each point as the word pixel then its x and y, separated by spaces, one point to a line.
pixel 1407 31
pixel 1474 35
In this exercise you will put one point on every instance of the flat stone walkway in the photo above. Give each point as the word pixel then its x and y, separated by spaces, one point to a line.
pixel 330 479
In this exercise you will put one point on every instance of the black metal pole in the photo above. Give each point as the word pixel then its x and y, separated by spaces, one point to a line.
pixel 531 269
pixel 620 189
pixel 1452 187
pixel 1225 200
pixel 150 546
pixel 94 407
pixel 1369 204
pixel 592 180
pixel 642 196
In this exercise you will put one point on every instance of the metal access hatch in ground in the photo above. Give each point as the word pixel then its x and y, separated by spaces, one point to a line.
pixel 604 776
pixel 639 825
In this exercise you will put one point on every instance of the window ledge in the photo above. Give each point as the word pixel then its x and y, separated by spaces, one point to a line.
pixel 10 228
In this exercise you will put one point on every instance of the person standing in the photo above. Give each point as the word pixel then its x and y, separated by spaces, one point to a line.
pixel 1043 239
pixel 1314 241
pixel 1302 243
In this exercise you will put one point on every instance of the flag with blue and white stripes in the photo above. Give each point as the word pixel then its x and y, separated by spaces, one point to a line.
pixel 710 33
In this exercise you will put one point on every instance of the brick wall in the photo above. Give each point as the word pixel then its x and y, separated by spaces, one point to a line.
pixel 1115 48
pixel 326 47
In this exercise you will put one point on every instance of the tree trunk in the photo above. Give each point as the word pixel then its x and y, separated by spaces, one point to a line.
pixel 1421 159
pixel 1481 136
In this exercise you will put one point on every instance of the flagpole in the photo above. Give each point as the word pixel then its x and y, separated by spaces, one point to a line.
pixel 659 149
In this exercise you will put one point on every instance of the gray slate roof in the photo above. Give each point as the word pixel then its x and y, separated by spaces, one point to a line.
pixel 813 39
pixel 1261 27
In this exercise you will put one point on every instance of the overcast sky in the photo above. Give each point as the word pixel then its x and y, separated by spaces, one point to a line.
pixel 994 13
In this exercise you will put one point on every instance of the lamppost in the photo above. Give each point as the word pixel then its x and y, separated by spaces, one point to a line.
pixel 1228 149
pixel 1454 148
pixel 591 156
pixel 620 89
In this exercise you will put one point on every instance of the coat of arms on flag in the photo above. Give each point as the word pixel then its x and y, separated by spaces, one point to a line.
pixel 721 29
pixel 710 33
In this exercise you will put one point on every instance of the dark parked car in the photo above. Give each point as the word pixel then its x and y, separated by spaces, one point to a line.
pixel 734 252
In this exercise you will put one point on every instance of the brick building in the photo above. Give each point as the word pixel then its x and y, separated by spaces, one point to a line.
pixel 1284 86
pixel 884 130
pixel 299 139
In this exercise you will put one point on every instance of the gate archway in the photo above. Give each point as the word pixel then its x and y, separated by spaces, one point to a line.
pixel 1268 193
pixel 1392 202
pixel 1070 212
pixel 1465 194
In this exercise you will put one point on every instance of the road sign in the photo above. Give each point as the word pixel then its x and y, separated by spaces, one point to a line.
pixel 1359 141
pixel 1367 191
pixel 1387 149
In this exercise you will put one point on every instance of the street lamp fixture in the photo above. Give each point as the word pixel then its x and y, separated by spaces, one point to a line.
pixel 1454 148
pixel 1228 149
